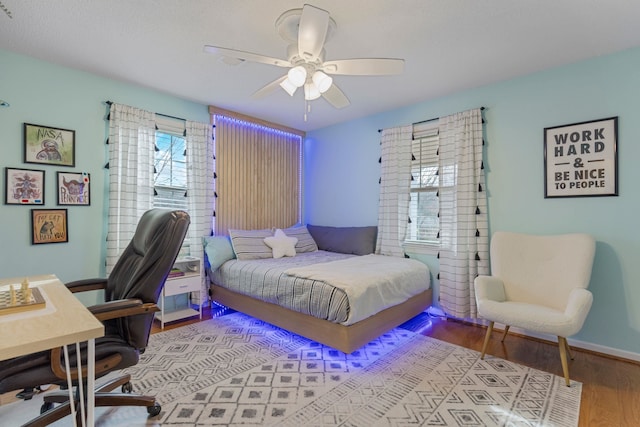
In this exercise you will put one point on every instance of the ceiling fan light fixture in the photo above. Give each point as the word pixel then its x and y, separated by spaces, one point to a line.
pixel 297 75
pixel 322 81
pixel 311 92
pixel 289 87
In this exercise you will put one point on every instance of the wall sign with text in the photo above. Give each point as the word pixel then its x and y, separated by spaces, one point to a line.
pixel 581 159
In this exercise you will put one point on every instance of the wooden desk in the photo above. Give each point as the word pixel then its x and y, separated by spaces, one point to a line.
pixel 67 322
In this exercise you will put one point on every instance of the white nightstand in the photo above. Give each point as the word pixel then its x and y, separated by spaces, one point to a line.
pixel 188 280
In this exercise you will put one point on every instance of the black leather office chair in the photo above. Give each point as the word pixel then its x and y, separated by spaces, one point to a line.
pixel 131 293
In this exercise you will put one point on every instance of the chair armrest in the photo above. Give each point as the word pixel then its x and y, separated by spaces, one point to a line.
pixel 489 288
pixel 122 308
pixel 578 307
pixel 86 285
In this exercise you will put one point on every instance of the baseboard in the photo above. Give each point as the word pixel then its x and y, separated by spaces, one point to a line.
pixel 583 345
pixel 604 350
pixel 577 344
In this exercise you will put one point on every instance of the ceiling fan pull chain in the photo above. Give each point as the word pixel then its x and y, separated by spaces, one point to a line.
pixel 306 107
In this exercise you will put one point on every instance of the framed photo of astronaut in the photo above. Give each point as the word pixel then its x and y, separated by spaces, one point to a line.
pixel 73 188
pixel 49 146
pixel 23 187
pixel 49 226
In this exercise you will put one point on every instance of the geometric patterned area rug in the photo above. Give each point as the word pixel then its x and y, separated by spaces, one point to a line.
pixel 237 370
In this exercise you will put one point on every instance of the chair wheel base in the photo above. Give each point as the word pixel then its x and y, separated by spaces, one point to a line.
pixel 154 410
pixel 26 394
pixel 46 406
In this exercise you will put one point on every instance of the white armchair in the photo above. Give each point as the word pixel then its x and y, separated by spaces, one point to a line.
pixel 537 283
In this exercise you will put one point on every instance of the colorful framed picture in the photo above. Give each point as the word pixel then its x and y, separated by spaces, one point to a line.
pixel 74 188
pixel 49 146
pixel 49 226
pixel 23 187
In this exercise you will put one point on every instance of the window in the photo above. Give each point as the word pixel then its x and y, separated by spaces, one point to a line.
pixel 170 177
pixel 423 205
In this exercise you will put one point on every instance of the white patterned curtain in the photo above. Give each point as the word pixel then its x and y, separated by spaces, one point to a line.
pixel 395 181
pixel 131 155
pixel 200 189
pixel 464 239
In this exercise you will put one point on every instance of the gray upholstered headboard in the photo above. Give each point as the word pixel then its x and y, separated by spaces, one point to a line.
pixel 346 240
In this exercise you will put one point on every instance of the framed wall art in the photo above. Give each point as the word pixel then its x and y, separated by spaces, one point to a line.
pixel 74 188
pixel 23 187
pixel 49 226
pixel 49 146
pixel 581 159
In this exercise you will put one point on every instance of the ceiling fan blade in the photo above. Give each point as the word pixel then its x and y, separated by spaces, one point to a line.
pixel 269 88
pixel 312 32
pixel 364 66
pixel 336 97
pixel 246 56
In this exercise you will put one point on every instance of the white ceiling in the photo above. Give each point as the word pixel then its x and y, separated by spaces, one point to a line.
pixel 448 45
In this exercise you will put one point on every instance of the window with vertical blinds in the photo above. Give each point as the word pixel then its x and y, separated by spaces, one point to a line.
pixel 423 205
pixel 170 174
pixel 170 168
pixel 258 175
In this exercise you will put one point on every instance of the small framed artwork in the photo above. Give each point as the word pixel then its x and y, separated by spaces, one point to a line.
pixel 74 188
pixel 49 226
pixel 49 146
pixel 581 159
pixel 23 187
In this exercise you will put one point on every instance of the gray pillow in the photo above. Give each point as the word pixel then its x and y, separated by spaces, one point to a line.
pixel 346 240
pixel 218 250
pixel 305 241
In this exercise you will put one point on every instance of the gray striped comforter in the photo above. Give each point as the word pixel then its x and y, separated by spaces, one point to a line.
pixel 264 279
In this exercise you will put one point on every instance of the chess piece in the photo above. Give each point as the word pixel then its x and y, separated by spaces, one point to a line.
pixel 12 293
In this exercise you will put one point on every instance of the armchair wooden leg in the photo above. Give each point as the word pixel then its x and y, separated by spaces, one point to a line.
pixel 562 345
pixel 568 349
pixel 486 339
pixel 506 330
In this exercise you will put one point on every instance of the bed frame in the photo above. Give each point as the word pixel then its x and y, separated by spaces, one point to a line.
pixel 344 338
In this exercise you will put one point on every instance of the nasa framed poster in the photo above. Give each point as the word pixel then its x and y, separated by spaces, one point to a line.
pixel 49 146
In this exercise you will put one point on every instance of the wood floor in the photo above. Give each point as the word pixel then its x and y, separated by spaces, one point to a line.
pixel 610 387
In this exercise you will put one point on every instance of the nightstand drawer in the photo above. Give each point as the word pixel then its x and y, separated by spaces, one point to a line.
pixel 180 285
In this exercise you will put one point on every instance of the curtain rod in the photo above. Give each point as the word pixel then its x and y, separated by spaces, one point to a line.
pixel 159 114
pixel 425 121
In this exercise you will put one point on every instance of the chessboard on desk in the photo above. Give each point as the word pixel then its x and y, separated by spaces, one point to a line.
pixel 24 301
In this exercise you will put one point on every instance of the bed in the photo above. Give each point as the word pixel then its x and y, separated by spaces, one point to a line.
pixel 333 291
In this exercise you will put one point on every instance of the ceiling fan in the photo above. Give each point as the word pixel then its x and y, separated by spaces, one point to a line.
pixel 307 30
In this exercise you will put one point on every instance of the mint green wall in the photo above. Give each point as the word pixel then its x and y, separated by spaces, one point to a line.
pixel 342 170
pixel 342 174
pixel 46 94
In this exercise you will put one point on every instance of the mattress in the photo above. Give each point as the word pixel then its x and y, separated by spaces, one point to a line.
pixel 266 280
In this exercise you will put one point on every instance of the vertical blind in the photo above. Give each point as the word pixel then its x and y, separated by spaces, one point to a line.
pixel 258 176
pixel 170 172
pixel 423 205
